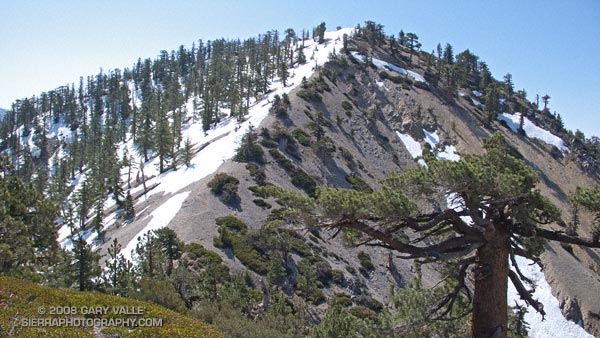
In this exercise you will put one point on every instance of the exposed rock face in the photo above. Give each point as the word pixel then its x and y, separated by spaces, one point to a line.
pixel 364 143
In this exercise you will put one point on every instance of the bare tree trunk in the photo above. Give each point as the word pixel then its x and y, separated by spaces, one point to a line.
pixel 490 317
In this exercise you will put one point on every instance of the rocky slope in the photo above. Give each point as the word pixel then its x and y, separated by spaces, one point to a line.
pixel 362 108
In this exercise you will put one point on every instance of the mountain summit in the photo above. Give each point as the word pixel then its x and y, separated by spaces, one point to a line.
pixel 169 170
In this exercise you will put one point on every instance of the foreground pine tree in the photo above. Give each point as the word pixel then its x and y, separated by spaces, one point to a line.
pixel 496 213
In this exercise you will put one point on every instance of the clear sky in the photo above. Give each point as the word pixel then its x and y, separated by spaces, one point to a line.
pixel 550 47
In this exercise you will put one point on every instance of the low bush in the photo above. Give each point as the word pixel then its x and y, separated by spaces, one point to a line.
pixel 340 298
pixel 363 312
pixel 302 137
pixel 421 85
pixel 257 173
pixel 358 183
pixel 262 203
pixel 249 150
pixel 346 105
pixel 224 186
pixel 232 223
pixel 365 261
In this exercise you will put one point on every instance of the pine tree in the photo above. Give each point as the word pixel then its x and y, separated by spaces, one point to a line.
pixel 545 100
pixel 508 83
pixel 187 152
pixel 27 230
pixel 413 41
pixel 319 33
pixel 499 216
pixel 448 54
pixel 85 259
pixel 300 57
pixel 249 150
pixel 492 105
pixel 119 277
pixel 163 138
pixel 97 221
pixel 128 208
pixel 170 245
pixel 486 76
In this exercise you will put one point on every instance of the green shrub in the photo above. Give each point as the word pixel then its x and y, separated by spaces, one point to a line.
pixel 262 203
pixel 346 105
pixel 340 298
pixel 301 180
pixel 249 150
pixel 373 304
pixel 338 276
pixel 311 90
pixel 232 223
pixel 398 79
pixel 324 271
pixel 421 85
pixel 358 183
pixel 302 137
pixel 309 94
pixel 363 312
pixel 233 234
pixel 319 84
pixel 283 162
pixel 257 173
pixel 307 286
pixel 224 186
pixel 249 256
pixel 365 261
pixel 268 143
pixel 280 107
pixel 346 155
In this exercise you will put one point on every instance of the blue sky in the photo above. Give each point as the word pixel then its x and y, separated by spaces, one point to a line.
pixel 550 47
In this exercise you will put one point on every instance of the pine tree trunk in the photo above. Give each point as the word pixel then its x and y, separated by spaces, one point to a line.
pixel 491 274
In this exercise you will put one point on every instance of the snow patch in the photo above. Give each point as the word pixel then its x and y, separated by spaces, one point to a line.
pixel 382 64
pixel 448 153
pixel 381 84
pixel 161 217
pixel 477 103
pixel 533 131
pixel 555 325
pixel 477 93
pixel 412 145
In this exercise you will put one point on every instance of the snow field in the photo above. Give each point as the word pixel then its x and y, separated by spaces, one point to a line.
pixel 224 138
pixel 533 131
pixel 161 217
pixel 555 324
pixel 382 64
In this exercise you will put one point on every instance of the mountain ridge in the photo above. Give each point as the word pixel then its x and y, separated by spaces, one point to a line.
pixel 340 128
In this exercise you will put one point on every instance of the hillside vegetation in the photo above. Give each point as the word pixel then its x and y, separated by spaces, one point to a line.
pixel 181 176
pixel 21 300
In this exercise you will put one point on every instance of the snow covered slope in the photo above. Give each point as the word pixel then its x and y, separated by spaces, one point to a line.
pixel 533 131
pixel 555 324
pixel 392 67
pixel 222 140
